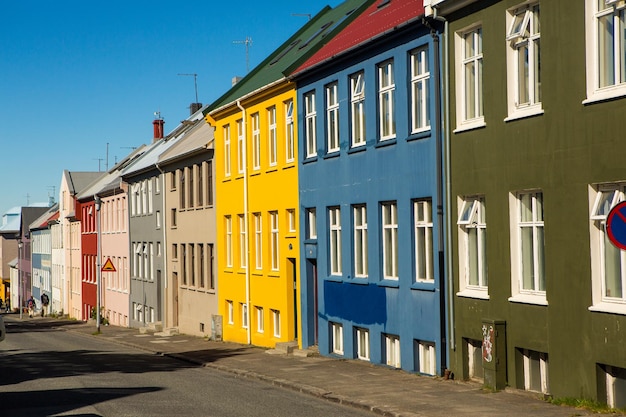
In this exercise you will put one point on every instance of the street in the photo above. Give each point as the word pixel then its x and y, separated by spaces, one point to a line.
pixel 47 371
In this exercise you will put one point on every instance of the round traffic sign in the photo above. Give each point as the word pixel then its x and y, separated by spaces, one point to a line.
pixel 616 225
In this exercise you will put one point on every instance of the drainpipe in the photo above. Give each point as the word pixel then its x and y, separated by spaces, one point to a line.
pixel 245 214
pixel 164 308
pixel 440 190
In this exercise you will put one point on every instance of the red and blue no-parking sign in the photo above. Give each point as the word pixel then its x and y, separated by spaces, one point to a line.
pixel 616 225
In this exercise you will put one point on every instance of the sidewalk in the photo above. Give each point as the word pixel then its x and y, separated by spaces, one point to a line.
pixel 356 383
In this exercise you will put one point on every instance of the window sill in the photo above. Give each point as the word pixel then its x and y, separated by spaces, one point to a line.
pixel 290 165
pixel 419 135
pixel 334 278
pixel 529 299
pixel 424 285
pixel 357 149
pixel 386 142
pixel 476 124
pixel 524 114
pixel 390 283
pixel 606 94
pixel 310 159
pixel 613 308
pixel 333 154
pixel 471 293
pixel 273 168
pixel 360 280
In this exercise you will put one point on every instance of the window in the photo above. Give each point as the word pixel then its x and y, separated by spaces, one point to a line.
pixel 242 242
pixel 311 223
pixel 523 61
pixel 192 264
pixel 310 122
pixel 529 261
pixel 210 268
pixel 271 135
pixel 192 175
pixel 158 219
pixel 274 239
pixel 260 320
pixel 386 109
pixel 357 109
pixel 615 386
pixel 469 78
pixel 291 219
pixel 276 322
pixel 173 180
pixel 241 147
pixel 363 344
pixel 174 251
pixel 200 188
pixel 360 240
pixel 227 150
pixel 244 315
pixel 336 333
pixel 289 132
pixel 183 263
pixel 389 217
pixel 256 142
pixel 228 227
pixel 173 217
pixel 201 266
pixel 422 216
pixel 608 262
pixel 230 311
pixel 472 245
pixel 535 370
pixel 334 221
pixel 606 49
pixel 209 183
pixel 258 241
pixel 392 350
pixel 182 195
pixel 427 359
pixel 332 118
pixel 420 77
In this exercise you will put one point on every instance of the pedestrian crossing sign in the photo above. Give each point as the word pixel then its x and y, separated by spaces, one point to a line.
pixel 108 266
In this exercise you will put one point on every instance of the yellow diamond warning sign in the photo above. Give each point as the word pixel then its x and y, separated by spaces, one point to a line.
pixel 108 266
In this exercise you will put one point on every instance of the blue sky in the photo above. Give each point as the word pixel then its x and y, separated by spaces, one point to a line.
pixel 76 75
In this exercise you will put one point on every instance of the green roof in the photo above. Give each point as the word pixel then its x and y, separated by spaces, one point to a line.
pixel 306 41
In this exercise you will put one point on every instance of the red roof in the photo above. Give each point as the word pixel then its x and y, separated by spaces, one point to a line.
pixel 380 17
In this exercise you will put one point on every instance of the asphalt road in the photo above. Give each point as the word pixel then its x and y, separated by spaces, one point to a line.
pixel 50 372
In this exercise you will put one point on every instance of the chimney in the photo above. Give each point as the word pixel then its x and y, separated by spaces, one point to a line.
pixel 194 107
pixel 158 129
pixel 235 80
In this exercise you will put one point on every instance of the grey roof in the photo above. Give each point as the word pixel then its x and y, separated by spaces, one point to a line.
pixel 29 214
pixel 42 220
pixel 77 180
pixel 198 139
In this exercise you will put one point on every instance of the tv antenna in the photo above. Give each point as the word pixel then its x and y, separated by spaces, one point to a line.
pixel 307 15
pixel 247 42
pixel 195 83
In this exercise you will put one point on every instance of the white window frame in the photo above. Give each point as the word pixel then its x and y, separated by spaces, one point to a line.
pixel 274 240
pixel 602 198
pixel 256 141
pixel 420 90
pixel 228 226
pixel 528 370
pixel 473 277
pixel 241 148
pixel 523 61
pixel 357 109
pixel 469 61
pixel 332 117
pixel 596 89
pixel 226 132
pixel 290 152
pixel 260 320
pixel 276 322
pixel 535 224
pixel 423 240
pixel 386 100
pixel 272 144
pixel 336 333
pixel 291 220
pixel 310 124
pixel 362 344
pixel 243 307
pixel 230 311
pixel 389 225
pixel 392 350
pixel 258 241
pixel 311 214
pixel 359 213
pixel 427 358
pixel 334 236
pixel 243 259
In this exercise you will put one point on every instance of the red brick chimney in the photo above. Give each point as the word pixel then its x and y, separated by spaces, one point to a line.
pixel 158 129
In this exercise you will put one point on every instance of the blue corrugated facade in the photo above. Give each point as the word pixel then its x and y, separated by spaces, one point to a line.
pixel 401 172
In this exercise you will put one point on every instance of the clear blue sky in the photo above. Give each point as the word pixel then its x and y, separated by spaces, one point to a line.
pixel 76 75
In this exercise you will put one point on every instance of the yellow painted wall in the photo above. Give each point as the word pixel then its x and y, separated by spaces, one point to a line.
pixel 269 189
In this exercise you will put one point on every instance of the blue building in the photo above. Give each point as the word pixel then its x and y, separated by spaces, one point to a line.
pixel 372 284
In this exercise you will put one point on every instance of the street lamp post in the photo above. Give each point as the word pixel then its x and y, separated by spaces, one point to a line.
pixel 19 277
pixel 98 204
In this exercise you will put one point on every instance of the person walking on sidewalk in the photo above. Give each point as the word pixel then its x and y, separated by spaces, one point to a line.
pixel 31 306
pixel 44 304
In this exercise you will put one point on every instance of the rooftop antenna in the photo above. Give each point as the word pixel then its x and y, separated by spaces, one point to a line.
pixel 51 198
pixel 99 160
pixel 27 200
pixel 247 42
pixel 307 15
pixel 107 159
pixel 195 83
